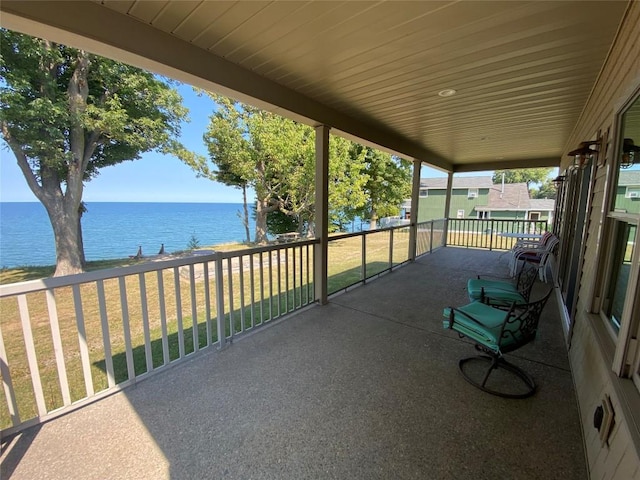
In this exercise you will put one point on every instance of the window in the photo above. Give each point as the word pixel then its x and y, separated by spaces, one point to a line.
pixel 534 216
pixel 484 215
pixel 620 293
pixel 632 192
pixel 460 213
pixel 472 193
pixel 619 273
pixel 424 192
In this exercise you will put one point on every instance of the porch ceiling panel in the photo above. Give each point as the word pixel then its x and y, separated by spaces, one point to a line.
pixel 522 70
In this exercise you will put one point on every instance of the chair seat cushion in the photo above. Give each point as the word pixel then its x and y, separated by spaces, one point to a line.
pixel 486 331
pixel 504 293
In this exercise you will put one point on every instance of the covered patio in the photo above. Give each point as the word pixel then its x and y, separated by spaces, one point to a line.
pixel 364 387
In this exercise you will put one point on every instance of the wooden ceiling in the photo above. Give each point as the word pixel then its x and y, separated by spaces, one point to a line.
pixel 371 70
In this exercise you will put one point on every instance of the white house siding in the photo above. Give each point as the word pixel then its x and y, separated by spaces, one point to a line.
pixel 590 362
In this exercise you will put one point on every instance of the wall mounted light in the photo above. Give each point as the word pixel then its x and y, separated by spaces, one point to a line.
pixel 630 153
pixel 583 153
pixel 557 182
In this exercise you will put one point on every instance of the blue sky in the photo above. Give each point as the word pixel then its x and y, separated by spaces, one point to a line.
pixel 153 178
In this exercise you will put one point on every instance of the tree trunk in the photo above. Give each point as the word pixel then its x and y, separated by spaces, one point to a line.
pixel 245 220
pixel 262 208
pixel 373 223
pixel 66 230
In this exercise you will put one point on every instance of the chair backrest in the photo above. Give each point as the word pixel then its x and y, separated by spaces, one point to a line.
pixel 526 279
pixel 522 326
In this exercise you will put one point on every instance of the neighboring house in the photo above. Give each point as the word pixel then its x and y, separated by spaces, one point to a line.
pixel 479 197
pixel 628 192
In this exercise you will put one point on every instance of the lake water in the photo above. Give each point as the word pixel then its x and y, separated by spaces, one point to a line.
pixel 115 230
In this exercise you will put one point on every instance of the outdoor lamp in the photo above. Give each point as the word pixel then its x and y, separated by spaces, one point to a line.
pixel 558 181
pixel 629 153
pixel 583 153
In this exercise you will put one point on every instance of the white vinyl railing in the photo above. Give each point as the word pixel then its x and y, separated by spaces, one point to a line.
pixel 66 341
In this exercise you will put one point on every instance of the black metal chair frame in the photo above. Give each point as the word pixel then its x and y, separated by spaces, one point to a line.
pixel 527 318
pixel 524 284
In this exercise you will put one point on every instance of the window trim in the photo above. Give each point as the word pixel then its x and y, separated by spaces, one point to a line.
pixel 458 213
pixel 635 189
pixel 473 193
pixel 624 357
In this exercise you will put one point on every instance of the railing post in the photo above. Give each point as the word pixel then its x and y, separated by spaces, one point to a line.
pixel 222 334
pixel 363 259
pixel 322 213
pixel 491 235
pixel 390 249
pixel 431 238
pixel 415 202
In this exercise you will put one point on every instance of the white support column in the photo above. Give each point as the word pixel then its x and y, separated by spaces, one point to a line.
pixel 322 213
pixel 415 198
pixel 447 206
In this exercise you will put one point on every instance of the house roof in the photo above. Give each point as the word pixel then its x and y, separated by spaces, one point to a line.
pixel 511 196
pixel 544 204
pixel 628 178
pixel 458 182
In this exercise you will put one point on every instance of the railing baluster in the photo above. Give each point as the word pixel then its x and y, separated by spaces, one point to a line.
pixel 299 249
pixel 163 319
pixel 241 279
pixel 308 283
pixel 145 322
pixel 178 295
pixel 261 289
pixel 207 301
pixel 390 249
pixel 252 287
pixel 31 355
pixel 232 323
pixel 194 308
pixel 106 337
pixel 286 278
pixel 279 282
pixel 270 264
pixel 57 347
pixel 293 271
pixel 124 306
pixel 363 258
pixel 7 384
pixel 82 340
pixel 222 334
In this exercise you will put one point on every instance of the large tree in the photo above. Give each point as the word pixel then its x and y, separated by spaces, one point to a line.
pixel 523 175
pixel 388 184
pixel 66 114
pixel 276 157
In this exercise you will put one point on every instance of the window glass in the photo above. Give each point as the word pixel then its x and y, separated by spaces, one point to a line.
pixel 627 193
pixel 624 244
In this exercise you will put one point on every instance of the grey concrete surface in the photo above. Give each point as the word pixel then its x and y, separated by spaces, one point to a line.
pixel 366 387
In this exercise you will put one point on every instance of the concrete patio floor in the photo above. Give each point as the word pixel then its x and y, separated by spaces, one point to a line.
pixel 366 387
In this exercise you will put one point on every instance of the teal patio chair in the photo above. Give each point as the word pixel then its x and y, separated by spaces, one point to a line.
pixel 495 333
pixel 502 293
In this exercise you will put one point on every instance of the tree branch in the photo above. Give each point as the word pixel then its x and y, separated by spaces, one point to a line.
pixel 22 160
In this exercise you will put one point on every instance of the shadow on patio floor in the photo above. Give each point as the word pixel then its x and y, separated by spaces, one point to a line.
pixel 366 387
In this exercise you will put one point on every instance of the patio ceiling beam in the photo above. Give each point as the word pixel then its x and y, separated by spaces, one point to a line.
pixel 103 31
pixel 507 164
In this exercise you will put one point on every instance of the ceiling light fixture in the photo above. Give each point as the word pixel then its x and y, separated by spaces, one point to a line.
pixel 447 92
